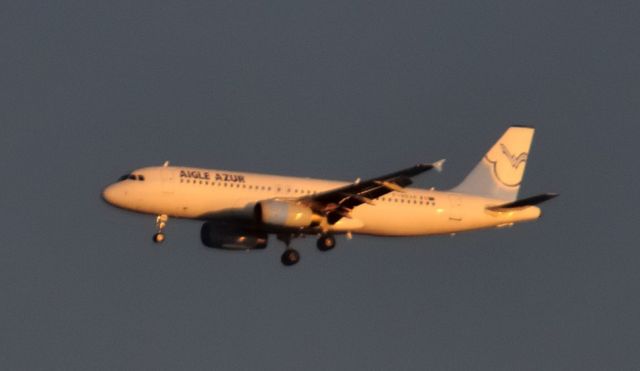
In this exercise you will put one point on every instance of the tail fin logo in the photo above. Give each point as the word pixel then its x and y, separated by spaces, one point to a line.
pixel 501 170
pixel 508 167
pixel 515 161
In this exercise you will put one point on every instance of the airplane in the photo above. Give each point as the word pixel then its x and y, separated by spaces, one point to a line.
pixel 240 210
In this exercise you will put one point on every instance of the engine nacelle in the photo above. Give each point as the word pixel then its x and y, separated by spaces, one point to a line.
pixel 287 214
pixel 232 237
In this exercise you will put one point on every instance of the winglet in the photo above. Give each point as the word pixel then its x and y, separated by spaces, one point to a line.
pixel 438 165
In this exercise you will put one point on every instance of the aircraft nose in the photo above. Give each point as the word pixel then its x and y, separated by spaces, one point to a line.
pixel 107 194
pixel 110 194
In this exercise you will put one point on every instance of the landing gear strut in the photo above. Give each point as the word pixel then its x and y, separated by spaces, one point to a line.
pixel 161 222
pixel 326 242
pixel 290 256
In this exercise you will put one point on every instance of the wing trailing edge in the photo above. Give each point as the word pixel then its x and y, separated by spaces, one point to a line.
pixel 339 202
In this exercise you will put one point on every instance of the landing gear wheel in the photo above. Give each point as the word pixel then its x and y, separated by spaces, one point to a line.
pixel 161 222
pixel 290 257
pixel 326 242
pixel 158 237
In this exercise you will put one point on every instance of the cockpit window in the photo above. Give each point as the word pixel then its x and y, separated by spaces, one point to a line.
pixel 132 177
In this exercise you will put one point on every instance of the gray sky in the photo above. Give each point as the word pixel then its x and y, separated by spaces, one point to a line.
pixel 90 90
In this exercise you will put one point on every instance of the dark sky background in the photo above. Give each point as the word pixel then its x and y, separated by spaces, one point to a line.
pixel 332 89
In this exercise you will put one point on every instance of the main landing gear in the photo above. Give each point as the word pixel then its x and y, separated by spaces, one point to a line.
pixel 326 242
pixel 291 256
pixel 161 222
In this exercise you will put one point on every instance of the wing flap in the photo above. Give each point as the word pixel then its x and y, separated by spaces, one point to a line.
pixel 338 203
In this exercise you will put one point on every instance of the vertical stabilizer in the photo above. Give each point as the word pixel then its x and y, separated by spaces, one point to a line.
pixel 500 172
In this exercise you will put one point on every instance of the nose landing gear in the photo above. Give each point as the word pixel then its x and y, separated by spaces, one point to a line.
pixel 161 222
pixel 158 237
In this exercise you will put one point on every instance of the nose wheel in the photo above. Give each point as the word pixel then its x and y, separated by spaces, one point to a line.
pixel 158 237
pixel 161 222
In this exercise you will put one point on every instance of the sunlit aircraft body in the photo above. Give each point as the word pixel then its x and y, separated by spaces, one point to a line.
pixel 240 210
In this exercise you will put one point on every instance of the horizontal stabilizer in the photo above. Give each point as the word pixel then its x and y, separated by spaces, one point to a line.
pixel 529 201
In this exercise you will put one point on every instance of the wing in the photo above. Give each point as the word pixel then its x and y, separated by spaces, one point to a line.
pixel 338 203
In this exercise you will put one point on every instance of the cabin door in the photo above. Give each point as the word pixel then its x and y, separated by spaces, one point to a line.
pixel 169 180
pixel 455 208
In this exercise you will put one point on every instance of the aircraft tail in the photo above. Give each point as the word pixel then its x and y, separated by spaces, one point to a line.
pixel 499 174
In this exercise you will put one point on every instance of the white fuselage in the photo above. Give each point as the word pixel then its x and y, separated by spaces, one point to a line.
pixel 194 193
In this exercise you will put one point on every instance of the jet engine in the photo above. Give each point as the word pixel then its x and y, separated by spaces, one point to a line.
pixel 288 214
pixel 232 237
